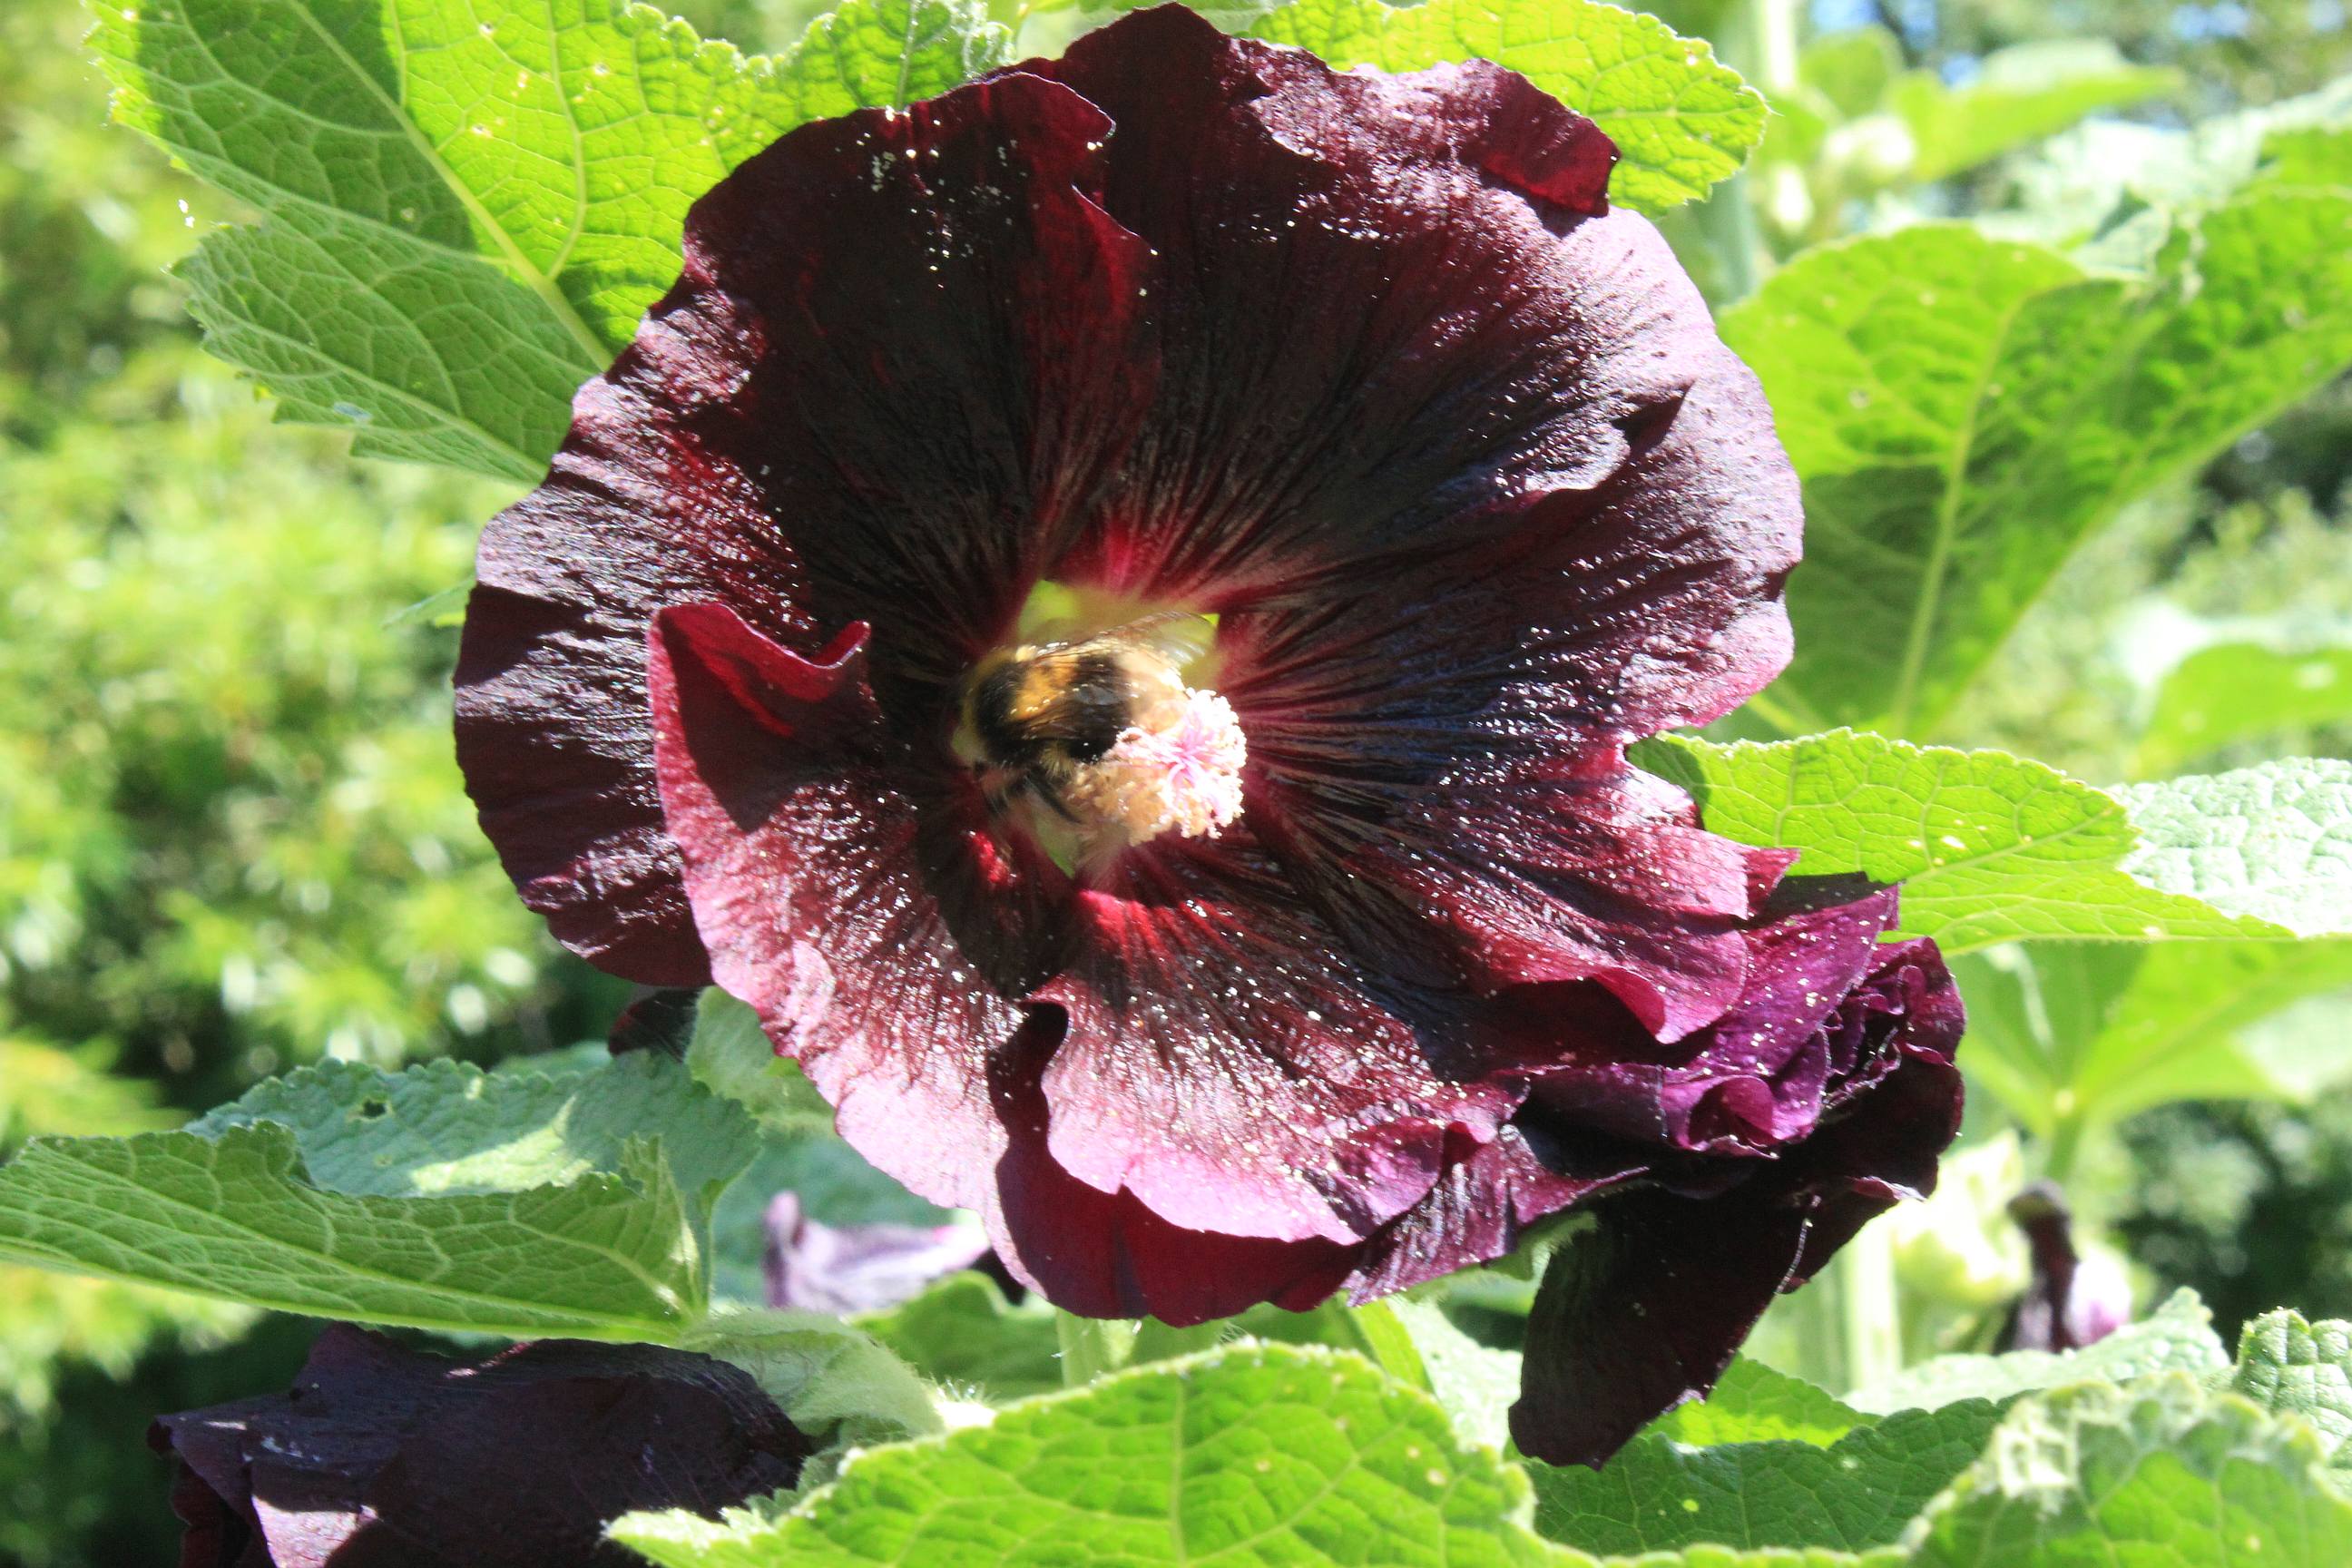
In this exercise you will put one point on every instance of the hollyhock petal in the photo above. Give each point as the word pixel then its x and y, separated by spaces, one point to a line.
pixel 1645 1311
pixel 876 938
pixel 923 468
pixel 1227 1063
pixel 1755 1078
pixel 1108 1255
pixel 1494 342
pixel 1484 1203
pixel 380 1457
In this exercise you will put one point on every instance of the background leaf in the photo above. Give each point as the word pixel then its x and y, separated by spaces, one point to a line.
pixel 2177 1337
pixel 470 203
pixel 596 1236
pixel 1964 410
pixel 1682 119
pixel 2017 95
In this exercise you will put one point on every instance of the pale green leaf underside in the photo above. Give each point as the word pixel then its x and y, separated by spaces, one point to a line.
pixel 1247 1458
pixel 2177 1337
pixel 2160 1472
pixel 1752 1403
pixel 1964 411
pixel 1991 848
pixel 603 1243
pixel 1681 120
pixel 468 203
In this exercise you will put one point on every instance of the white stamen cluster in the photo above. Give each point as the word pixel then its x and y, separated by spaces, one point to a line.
pixel 1183 773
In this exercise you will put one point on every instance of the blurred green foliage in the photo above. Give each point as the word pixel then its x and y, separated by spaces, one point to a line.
pixel 232 834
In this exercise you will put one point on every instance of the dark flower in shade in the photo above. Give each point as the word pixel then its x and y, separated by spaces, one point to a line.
pixel 380 1457
pixel 1366 368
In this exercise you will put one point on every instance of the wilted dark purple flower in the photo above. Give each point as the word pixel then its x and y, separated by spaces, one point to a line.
pixel 380 1457
pixel 2072 1300
pixel 1361 946
pixel 817 1268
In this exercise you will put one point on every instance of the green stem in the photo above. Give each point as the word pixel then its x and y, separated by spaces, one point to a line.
pixel 1156 1341
pixel 1870 1307
pixel 1092 1347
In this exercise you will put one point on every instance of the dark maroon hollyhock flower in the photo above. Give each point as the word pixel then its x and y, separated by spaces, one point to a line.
pixel 818 1268
pixel 380 1457
pixel 1355 941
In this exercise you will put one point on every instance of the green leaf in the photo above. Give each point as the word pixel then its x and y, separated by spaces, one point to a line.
pixel 1964 411
pixel 2020 95
pixel 1754 1404
pixel 2159 1472
pixel 2285 1363
pixel 1681 119
pixel 838 1383
pixel 515 1203
pixel 2272 843
pixel 2098 1033
pixel 1990 847
pixel 732 1057
pixel 962 1333
pixel 1858 1492
pixel 865 53
pixel 468 203
pixel 1476 1383
pixel 2177 1337
pixel 2233 690
pixel 1251 1457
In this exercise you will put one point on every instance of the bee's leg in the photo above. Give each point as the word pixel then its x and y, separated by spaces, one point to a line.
pixel 1050 795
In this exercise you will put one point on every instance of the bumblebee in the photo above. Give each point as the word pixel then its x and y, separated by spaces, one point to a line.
pixel 1033 716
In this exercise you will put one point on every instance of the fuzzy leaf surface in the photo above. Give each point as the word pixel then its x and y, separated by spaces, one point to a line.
pixel 515 1203
pixel 1245 1457
pixel 467 203
pixel 1992 847
pixel 2158 1472
pixel 1681 119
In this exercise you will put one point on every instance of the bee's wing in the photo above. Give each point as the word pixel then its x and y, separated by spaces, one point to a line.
pixel 1180 636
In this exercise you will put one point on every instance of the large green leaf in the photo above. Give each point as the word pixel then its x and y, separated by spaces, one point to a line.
pixel 1682 119
pixel 2160 1472
pixel 1246 1457
pixel 519 1203
pixel 467 203
pixel 1965 410
pixel 1990 847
